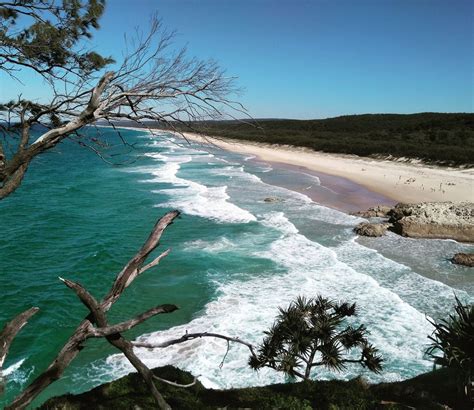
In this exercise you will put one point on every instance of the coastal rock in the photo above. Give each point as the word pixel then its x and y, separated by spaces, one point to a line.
pixel 369 229
pixel 442 220
pixel 380 211
pixel 466 259
pixel 272 199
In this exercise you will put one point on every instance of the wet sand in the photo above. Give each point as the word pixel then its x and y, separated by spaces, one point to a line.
pixel 334 191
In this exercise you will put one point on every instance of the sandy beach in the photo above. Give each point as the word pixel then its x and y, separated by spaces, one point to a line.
pixel 398 180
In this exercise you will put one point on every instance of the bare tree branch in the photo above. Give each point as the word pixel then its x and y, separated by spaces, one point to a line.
pixel 174 383
pixel 191 336
pixel 124 326
pixel 152 84
pixel 11 329
pixel 132 268
pixel 86 329
pixel 116 339
pixel 155 261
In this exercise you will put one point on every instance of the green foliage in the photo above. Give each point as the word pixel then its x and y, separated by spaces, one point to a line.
pixel 45 35
pixel 432 137
pixel 308 334
pixel 427 391
pixel 453 340
pixel 290 402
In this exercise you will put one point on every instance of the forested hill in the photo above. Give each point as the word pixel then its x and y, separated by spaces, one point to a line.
pixel 432 137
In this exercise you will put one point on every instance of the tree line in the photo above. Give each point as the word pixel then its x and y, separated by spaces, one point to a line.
pixel 438 138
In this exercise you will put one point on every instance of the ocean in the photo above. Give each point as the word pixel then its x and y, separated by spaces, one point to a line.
pixel 235 259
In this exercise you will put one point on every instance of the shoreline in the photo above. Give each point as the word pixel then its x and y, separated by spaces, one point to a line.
pixel 338 193
pixel 398 181
pixel 391 181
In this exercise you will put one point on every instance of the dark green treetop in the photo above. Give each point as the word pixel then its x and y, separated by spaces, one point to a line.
pixel 47 36
pixel 453 340
pixel 310 333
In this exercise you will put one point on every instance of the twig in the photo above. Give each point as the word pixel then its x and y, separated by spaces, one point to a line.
pixel 174 383
pixel 191 336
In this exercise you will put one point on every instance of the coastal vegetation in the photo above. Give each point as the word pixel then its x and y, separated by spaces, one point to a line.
pixel 453 342
pixel 438 138
pixel 434 390
pixel 308 334
pixel 431 137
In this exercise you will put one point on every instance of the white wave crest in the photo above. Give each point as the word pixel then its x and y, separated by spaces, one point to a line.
pixel 413 288
pixel 206 202
pixel 13 368
pixel 236 172
pixel 189 196
pixel 279 221
pixel 221 245
pixel 246 308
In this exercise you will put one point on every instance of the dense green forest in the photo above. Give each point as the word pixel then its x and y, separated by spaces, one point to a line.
pixel 433 137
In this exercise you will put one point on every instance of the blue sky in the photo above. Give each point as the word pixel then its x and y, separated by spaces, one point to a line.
pixel 317 59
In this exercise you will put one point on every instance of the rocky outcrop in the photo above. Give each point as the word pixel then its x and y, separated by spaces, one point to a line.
pixel 443 220
pixel 370 229
pixel 466 259
pixel 380 211
pixel 272 199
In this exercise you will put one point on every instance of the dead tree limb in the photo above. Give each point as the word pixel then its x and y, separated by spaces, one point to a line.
pixel 87 328
pixel 8 334
pixel 152 83
pixel 11 329
pixel 174 383
pixel 113 336
pixel 191 336
pixel 124 326
pixel 96 325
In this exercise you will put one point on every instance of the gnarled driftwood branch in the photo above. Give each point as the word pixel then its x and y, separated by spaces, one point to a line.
pixel 95 324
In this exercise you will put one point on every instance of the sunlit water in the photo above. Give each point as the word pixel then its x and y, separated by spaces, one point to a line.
pixel 235 259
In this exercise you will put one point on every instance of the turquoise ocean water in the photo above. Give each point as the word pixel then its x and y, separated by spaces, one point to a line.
pixel 234 260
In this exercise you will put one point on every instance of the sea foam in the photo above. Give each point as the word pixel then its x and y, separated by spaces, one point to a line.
pixel 13 368
pixel 246 305
pixel 192 197
pixel 246 308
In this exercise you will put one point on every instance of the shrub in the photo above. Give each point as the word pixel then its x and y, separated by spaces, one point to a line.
pixel 308 334
pixel 453 340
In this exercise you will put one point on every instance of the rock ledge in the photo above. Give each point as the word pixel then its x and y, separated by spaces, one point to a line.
pixel 371 229
pixel 380 211
pixel 442 220
pixel 466 259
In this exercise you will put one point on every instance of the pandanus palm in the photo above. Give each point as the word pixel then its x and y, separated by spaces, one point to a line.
pixel 453 342
pixel 311 333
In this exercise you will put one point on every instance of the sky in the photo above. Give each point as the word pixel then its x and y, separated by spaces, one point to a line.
pixel 316 59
